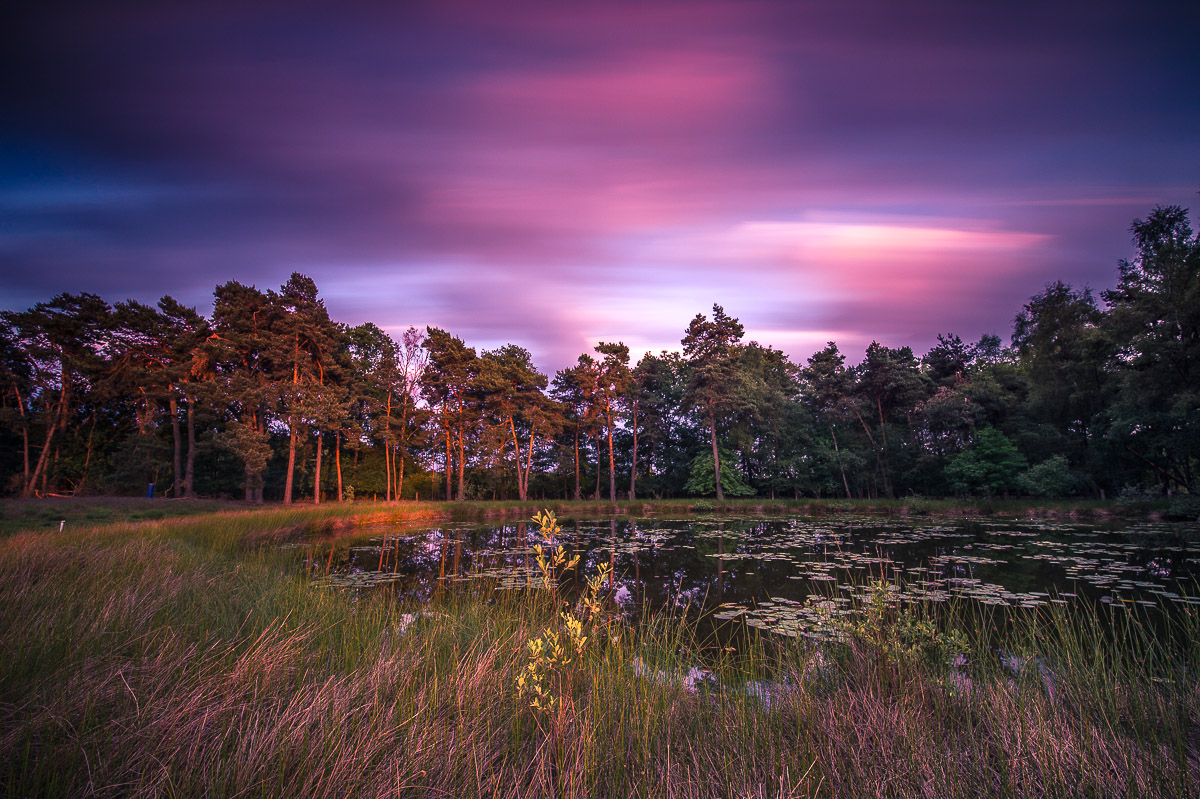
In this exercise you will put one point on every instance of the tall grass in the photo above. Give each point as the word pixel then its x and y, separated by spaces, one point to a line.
pixel 193 658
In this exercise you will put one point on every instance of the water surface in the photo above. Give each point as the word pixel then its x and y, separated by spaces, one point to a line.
pixel 794 575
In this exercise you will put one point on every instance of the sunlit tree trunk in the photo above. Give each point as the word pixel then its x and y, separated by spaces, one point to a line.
pixel 387 447
pixel 291 464
pixel 529 457
pixel 387 472
pixel 578 492
pixel 337 459
pixel 317 475
pixel 521 477
pixel 449 458
pixel 462 464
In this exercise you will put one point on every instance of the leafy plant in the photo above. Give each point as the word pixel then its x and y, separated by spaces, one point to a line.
pixel 1050 478
pixel 701 479
pixel 542 681
pixel 991 465
pixel 900 634
pixel 551 562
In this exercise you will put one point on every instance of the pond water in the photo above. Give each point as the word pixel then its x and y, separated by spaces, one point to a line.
pixel 793 576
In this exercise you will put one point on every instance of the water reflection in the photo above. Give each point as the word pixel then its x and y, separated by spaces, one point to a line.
pixel 792 575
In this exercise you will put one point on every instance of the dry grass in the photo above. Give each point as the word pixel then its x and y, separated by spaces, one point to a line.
pixel 188 659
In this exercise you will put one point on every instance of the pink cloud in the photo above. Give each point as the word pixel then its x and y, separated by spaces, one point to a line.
pixel 857 256
pixel 653 98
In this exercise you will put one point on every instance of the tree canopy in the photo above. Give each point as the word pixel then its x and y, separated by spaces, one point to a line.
pixel 269 397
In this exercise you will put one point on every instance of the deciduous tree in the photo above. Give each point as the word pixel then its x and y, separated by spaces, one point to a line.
pixel 1154 314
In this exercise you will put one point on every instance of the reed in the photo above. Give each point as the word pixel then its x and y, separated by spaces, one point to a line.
pixel 195 658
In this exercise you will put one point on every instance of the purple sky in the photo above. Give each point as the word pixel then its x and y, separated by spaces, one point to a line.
pixel 562 173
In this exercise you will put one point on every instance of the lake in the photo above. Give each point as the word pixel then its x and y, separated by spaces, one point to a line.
pixel 793 576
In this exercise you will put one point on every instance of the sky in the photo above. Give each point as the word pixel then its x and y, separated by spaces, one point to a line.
pixel 562 173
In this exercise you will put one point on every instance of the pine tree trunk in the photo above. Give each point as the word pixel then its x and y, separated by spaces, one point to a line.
pixel 291 467
pixel 24 434
pixel 887 475
pixel 87 458
pixel 387 471
pixel 177 435
pixel 596 493
pixel 612 471
pixel 250 478
pixel 462 464
pixel 449 461
pixel 712 426
pixel 578 493
pixel 521 487
pixel 259 427
pixel 25 451
pixel 633 465
pixel 838 453
pixel 40 469
pixel 529 457
pixel 387 449
pixel 190 467
pixel 337 459
pixel 317 476
pixel 399 475
pixel 879 466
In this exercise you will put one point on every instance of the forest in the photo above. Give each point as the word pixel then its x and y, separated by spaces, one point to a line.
pixel 272 400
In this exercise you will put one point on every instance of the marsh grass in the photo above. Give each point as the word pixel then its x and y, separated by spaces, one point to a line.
pixel 193 658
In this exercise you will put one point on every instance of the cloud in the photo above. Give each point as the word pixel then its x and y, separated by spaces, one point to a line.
pixel 556 174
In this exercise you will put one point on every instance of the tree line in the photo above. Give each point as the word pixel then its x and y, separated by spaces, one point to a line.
pixel 270 398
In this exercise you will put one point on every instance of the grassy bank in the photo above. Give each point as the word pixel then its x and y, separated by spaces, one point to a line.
pixel 189 657
pixel 47 514
pixel 911 506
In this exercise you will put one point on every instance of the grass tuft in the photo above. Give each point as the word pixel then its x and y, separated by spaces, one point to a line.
pixel 190 657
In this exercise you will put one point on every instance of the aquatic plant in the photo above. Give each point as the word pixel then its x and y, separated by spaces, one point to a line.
pixel 900 632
